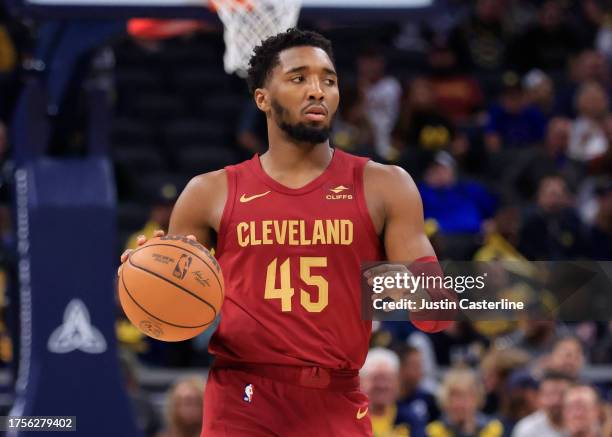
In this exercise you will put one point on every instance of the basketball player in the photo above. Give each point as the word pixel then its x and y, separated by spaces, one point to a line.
pixel 293 226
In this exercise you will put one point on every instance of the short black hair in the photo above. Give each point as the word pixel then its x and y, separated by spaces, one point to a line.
pixel 265 55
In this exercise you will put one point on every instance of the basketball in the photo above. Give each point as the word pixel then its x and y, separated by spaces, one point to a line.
pixel 171 288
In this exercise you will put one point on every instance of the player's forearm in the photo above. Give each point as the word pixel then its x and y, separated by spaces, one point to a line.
pixel 433 290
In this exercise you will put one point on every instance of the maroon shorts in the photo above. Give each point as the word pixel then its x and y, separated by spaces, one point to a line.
pixel 257 401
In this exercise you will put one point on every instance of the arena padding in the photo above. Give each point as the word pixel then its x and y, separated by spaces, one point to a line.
pixel 66 211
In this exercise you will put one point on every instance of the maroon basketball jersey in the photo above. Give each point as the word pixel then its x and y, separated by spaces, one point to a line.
pixel 291 263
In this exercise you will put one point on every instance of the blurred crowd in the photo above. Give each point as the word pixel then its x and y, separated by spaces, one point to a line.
pixel 513 391
pixel 500 111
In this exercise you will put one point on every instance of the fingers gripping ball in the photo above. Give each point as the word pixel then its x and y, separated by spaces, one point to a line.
pixel 171 288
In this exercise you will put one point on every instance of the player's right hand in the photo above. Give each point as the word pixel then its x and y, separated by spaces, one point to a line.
pixel 140 240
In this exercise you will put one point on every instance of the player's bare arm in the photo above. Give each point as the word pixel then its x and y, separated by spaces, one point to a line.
pixel 396 209
pixel 199 208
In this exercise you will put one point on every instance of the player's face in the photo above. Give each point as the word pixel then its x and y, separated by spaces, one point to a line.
pixel 303 94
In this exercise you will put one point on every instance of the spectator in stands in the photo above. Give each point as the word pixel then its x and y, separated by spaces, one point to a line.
pixel 540 91
pixel 587 16
pixel 553 229
pixel 483 29
pixel 458 206
pixel 420 123
pixel 587 137
pixel 517 280
pixel 412 395
pixel 601 230
pixel 588 66
pixel 512 121
pixel 537 337
pixel 458 95
pixel 460 397
pixel 382 96
pixel 252 136
pixel 606 426
pixel 547 421
pixel 520 401
pixel 159 217
pixel 380 380
pixel 601 353
pixel 603 40
pixel 548 159
pixel 352 130
pixel 547 43
pixel 501 237
pixel 582 412
pixel 592 66
pixel 421 130
pixel 459 345
pixel 567 357
pixel 184 408
pixel 497 366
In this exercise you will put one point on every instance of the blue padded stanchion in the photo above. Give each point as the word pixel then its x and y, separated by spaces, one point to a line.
pixel 68 365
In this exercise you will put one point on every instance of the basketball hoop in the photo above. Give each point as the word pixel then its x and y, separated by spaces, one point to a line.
pixel 247 23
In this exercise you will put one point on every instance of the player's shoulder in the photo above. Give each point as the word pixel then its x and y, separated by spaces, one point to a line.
pixel 208 182
pixel 202 199
pixel 386 175
pixel 214 183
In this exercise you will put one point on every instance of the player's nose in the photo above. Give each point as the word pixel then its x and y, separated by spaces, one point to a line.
pixel 315 90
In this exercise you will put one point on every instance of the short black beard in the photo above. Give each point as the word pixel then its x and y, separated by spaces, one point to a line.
pixel 300 132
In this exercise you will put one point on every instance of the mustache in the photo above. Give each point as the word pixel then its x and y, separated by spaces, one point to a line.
pixel 300 132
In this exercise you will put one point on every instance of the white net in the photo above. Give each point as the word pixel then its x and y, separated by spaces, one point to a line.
pixel 248 22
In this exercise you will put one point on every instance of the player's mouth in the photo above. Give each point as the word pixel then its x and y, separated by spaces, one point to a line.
pixel 316 113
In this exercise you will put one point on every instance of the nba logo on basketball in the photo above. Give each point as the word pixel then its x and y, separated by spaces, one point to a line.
pixel 180 270
pixel 248 393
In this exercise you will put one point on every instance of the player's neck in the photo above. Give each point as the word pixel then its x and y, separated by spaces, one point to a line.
pixel 295 162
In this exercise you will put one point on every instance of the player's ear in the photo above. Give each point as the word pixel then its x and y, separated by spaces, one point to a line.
pixel 262 99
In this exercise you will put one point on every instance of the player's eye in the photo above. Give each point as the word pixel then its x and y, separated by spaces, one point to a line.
pixel 330 82
pixel 297 79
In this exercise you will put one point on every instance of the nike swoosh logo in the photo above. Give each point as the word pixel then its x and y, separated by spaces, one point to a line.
pixel 245 199
pixel 361 415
